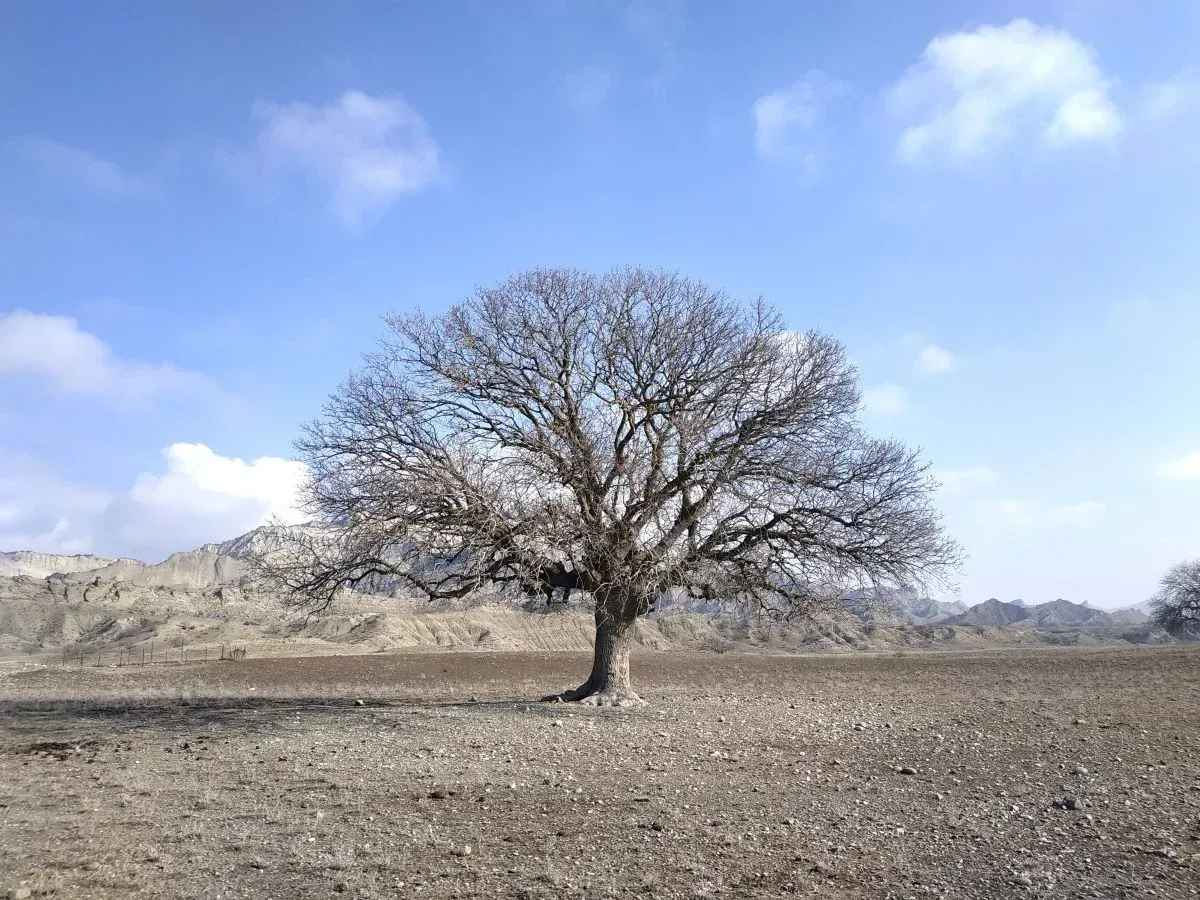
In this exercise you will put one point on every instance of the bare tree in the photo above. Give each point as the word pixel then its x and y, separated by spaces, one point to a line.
pixel 1176 605
pixel 627 436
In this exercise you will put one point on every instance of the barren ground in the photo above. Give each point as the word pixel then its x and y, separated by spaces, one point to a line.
pixel 927 774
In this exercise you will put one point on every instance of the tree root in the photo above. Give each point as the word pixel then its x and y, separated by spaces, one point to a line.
pixel 587 695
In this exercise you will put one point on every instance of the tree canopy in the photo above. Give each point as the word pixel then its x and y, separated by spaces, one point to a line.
pixel 1176 605
pixel 625 435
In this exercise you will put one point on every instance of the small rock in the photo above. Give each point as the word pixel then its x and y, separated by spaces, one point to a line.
pixel 1023 880
pixel 557 723
pixel 360 703
pixel 656 826
pixel 439 794
pixel 1078 770
pixel 906 770
pixel 91 866
pixel 820 869
pixel 464 850
pixel 1068 801
pixel 20 893
pixel 1164 852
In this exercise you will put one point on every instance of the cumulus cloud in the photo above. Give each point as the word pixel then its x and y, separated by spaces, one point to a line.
pixel 203 496
pixel 71 164
pixel 885 399
pixel 199 496
pixel 788 123
pixel 55 350
pixel 972 90
pixel 1187 466
pixel 935 360
pixel 963 480
pixel 367 152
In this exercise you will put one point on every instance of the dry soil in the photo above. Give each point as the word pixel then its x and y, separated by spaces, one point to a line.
pixel 1047 773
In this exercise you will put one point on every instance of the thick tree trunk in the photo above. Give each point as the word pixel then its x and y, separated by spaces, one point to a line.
pixel 609 683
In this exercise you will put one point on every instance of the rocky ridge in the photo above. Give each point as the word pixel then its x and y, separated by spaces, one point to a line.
pixel 207 596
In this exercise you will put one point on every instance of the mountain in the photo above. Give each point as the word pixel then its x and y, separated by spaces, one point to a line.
pixel 1056 614
pixel 194 570
pixel 901 606
pixel 40 565
pixel 207 594
pixel 992 613
pixel 264 539
pixel 1063 613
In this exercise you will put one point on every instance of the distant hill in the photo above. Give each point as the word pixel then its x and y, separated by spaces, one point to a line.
pixel 1055 614
pixel 992 613
pixel 40 565
pixel 1063 613
pixel 207 594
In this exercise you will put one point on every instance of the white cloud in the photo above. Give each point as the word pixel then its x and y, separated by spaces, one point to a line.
pixel 587 88
pixel 1187 466
pixel 962 480
pixel 788 122
pixel 203 496
pixel 1164 99
pixel 81 167
pixel 935 360
pixel 366 151
pixel 973 90
pixel 200 497
pixel 55 350
pixel 39 511
pixel 885 399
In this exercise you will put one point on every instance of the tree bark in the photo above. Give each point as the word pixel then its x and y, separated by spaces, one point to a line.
pixel 609 683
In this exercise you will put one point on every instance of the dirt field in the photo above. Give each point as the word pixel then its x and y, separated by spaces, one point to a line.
pixel 1051 773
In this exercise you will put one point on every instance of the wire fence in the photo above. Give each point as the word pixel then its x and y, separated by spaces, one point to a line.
pixel 75 657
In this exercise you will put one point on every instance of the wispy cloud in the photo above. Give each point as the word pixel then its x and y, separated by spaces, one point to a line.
pixel 974 90
pixel 65 357
pixel 658 26
pixel 365 151
pixel 1170 97
pixel 1186 466
pixel 965 480
pixel 789 123
pixel 935 360
pixel 587 88
pixel 885 399
pixel 74 166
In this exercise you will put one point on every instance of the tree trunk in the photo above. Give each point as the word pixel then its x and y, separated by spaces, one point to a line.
pixel 609 684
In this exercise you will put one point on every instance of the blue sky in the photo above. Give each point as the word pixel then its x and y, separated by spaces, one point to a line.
pixel 205 208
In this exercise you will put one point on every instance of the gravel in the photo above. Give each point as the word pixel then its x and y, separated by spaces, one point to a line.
pixel 290 790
